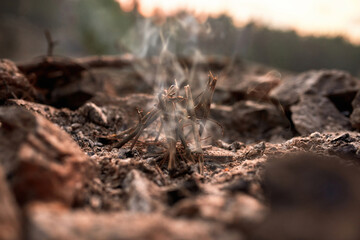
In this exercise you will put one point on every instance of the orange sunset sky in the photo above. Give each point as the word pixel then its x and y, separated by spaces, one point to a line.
pixel 319 17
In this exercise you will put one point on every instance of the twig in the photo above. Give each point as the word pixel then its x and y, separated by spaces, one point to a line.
pixel 202 108
pixel 50 43
pixel 191 112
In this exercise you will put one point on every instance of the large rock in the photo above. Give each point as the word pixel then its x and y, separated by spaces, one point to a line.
pixel 311 197
pixel 53 223
pixel 246 86
pixel 330 83
pixel 251 121
pixel 315 113
pixel 40 160
pixel 355 115
pixel 14 84
pixel 10 225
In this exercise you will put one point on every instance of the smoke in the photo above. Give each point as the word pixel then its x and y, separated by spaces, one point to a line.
pixel 166 41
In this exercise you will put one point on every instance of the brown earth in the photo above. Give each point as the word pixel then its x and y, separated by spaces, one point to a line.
pixel 283 164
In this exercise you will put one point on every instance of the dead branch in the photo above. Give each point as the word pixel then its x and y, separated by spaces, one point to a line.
pixel 51 44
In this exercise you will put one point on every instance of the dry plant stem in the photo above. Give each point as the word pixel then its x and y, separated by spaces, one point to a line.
pixel 181 135
pixel 202 108
pixel 195 129
pixel 167 109
pixel 129 130
pixel 51 43
pixel 145 122
pixel 159 132
pixel 174 117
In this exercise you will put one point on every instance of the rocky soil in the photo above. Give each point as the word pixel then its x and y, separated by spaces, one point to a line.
pixel 281 153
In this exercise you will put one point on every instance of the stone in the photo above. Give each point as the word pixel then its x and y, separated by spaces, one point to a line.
pixel 54 223
pixel 251 121
pixel 94 114
pixel 335 84
pixel 355 115
pixel 142 194
pixel 10 223
pixel 314 113
pixel 41 161
pixel 249 86
pixel 72 91
pixel 311 197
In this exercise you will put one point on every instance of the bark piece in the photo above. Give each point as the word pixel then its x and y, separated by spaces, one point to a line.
pixel 10 226
pixel 40 160
pixel 14 84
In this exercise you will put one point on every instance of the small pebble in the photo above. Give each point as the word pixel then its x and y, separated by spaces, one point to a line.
pixel 315 135
pixel 75 126
pixel 91 143
pixel 95 202
pixel 236 146
pixel 94 114
pixel 80 135
pixel 68 129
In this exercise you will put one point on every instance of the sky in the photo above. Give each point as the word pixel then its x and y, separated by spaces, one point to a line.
pixel 316 17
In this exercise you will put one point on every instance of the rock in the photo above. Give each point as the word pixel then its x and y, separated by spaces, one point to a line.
pixel 118 80
pixel 94 114
pixel 10 224
pixel 73 91
pixel 335 84
pixel 311 197
pixel 345 146
pixel 317 114
pixel 56 224
pixel 244 81
pixel 256 151
pixel 14 84
pixel 142 194
pixel 62 82
pixel 256 119
pixel 355 115
pixel 40 160
pixel 239 210
pixel 258 87
pixel 252 121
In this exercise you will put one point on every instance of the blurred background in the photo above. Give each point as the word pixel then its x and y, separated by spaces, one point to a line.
pixel 291 35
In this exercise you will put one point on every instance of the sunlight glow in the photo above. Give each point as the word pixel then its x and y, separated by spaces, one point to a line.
pixel 318 17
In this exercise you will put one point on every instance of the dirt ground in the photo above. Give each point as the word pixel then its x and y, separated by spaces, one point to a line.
pixel 281 153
